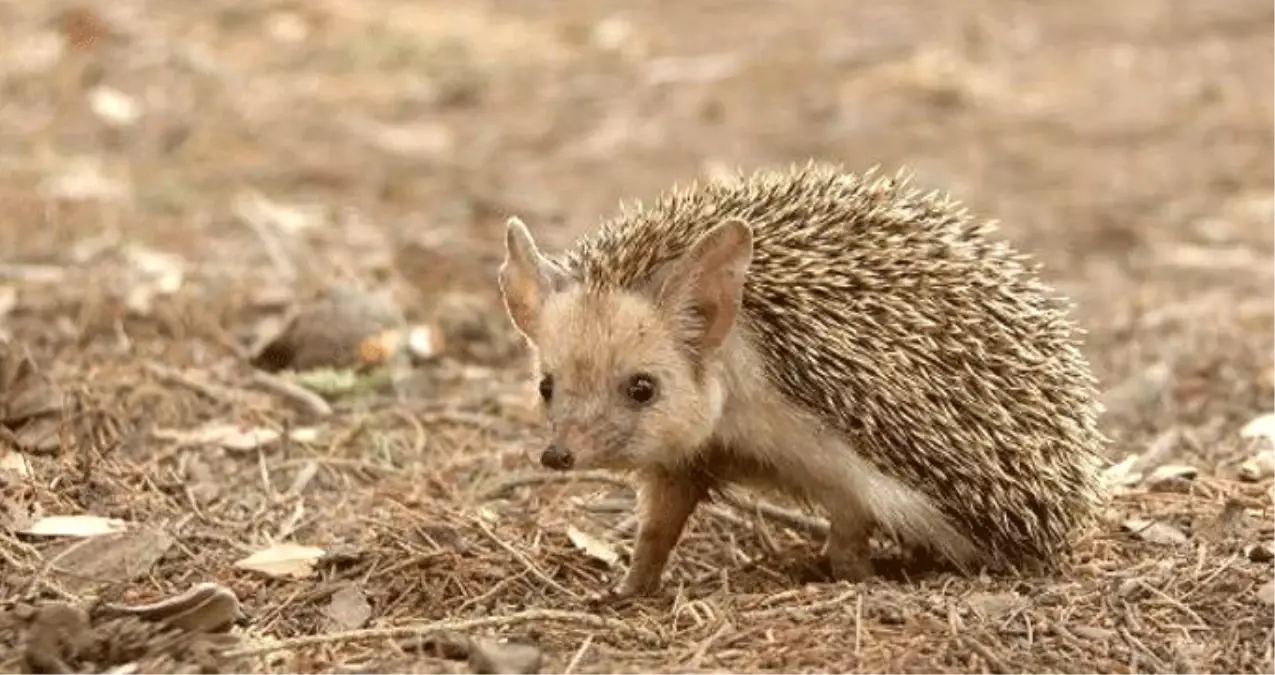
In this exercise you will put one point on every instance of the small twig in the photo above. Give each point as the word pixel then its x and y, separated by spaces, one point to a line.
pixel 994 663
pixel 1137 647
pixel 579 655
pixel 1169 600
pixel 701 650
pixel 590 620
pixel 526 562
pixel 299 394
pixel 517 481
pixel 858 627
pixel 803 610
pixel 170 376
pixel 489 593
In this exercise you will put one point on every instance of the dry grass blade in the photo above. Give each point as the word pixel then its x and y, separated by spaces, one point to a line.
pixel 591 621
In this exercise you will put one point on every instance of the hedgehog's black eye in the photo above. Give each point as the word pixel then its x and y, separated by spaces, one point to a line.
pixel 641 388
pixel 546 388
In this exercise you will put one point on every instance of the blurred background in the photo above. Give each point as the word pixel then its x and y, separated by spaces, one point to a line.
pixel 173 174
pixel 178 169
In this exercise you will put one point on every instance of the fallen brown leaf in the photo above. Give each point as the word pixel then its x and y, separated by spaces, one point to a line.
pixel 14 462
pixel 283 560
pixel 348 608
pixel 1266 593
pixel 204 608
pixel 232 436
pixel 1262 426
pixel 593 546
pixel 75 526
pixel 1155 532
pixel 1258 467
pixel 111 558
pixel 488 657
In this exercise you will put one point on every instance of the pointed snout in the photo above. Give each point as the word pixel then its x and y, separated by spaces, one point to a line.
pixel 556 458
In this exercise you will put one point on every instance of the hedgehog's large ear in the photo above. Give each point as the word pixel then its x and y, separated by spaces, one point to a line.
pixel 703 291
pixel 527 278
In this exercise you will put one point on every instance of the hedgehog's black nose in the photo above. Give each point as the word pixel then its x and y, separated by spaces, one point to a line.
pixel 554 457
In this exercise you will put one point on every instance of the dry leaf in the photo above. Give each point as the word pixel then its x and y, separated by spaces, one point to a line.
pixel 283 561
pixel 424 342
pixel 225 435
pixel 204 608
pixel 1262 426
pixel 234 437
pixel 993 606
pixel 593 546
pixel 1266 593
pixel 1155 532
pixel 1259 467
pixel 111 558
pixel 489 656
pixel 348 608
pixel 75 526
pixel 1169 473
pixel 15 462
pixel 32 398
pixel 39 435
pixel 114 106
pixel 1140 467
pixel 1122 474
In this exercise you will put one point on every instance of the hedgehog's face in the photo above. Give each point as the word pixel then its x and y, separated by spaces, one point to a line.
pixel 627 378
pixel 617 390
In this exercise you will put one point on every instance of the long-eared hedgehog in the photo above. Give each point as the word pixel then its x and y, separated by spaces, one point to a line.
pixel 849 340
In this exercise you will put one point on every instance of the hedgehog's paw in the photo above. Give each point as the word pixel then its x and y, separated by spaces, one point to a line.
pixel 848 548
pixel 639 582
pixel 849 566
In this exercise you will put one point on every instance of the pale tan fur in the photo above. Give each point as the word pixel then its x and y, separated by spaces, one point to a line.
pixel 588 340
pixel 717 421
pixel 814 463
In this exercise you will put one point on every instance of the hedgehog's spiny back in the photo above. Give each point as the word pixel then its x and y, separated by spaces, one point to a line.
pixel 887 312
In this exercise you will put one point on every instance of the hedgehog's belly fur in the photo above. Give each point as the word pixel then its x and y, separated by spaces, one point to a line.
pixel 769 441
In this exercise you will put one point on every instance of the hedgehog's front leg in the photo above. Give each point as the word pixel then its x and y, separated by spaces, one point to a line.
pixel 848 548
pixel 666 499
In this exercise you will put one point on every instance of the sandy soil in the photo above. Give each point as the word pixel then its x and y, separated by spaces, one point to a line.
pixel 174 176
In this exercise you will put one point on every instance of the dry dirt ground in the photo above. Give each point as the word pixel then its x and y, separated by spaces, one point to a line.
pixel 174 176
